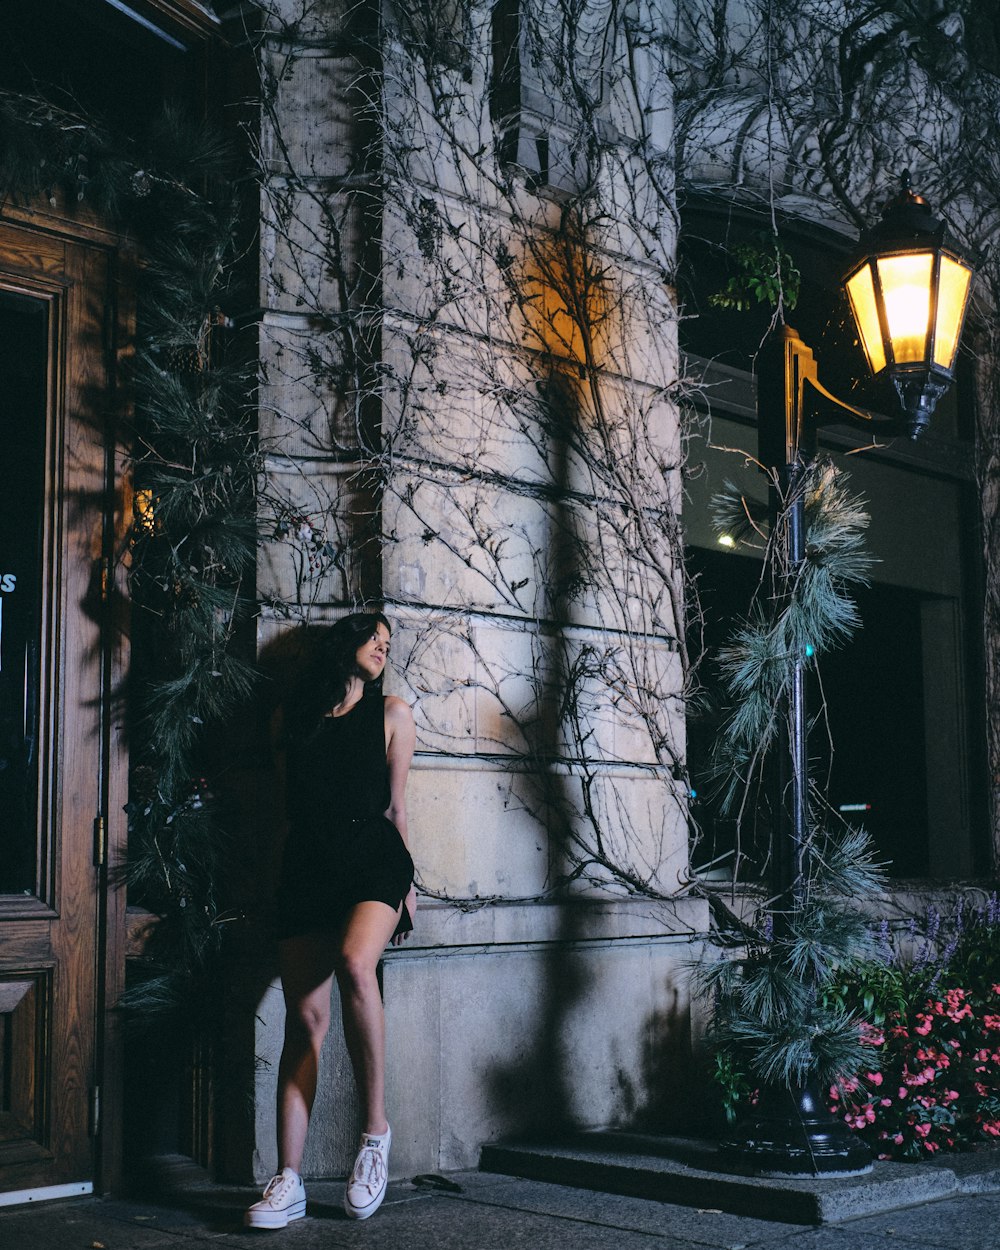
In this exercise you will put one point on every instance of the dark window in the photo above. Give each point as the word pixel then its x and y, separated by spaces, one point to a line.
pixel 23 423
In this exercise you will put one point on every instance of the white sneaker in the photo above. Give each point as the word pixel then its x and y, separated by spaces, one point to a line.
pixel 366 1184
pixel 284 1200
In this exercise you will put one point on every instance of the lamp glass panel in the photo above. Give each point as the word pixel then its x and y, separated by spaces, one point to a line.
pixel 861 292
pixel 953 288
pixel 906 292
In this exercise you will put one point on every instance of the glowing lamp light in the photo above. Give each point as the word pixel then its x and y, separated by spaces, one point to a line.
pixel 727 540
pixel 908 295
pixel 143 510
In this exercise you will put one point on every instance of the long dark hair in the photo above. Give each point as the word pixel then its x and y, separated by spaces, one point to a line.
pixel 328 671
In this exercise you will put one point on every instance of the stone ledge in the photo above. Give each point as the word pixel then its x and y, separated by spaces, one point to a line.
pixel 577 922
pixel 684 1171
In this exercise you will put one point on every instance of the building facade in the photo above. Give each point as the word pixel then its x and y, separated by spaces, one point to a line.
pixel 494 396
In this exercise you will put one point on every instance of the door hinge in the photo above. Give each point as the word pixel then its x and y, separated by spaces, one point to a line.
pixel 95 1110
pixel 99 841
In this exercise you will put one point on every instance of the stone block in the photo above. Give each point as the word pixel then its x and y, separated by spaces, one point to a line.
pixel 308 405
pixel 414 1043
pixel 322 527
pixel 311 22
pixel 471 834
pixel 434 668
pixel 444 138
pixel 462 403
pixel 475 545
pixel 336 1120
pixel 438 265
pixel 571 1035
pixel 492 411
pixel 322 120
pixel 463 543
pixel 486 831
pixel 321 252
pixel 643 826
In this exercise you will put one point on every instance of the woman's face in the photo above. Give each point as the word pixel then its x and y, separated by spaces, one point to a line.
pixel 373 654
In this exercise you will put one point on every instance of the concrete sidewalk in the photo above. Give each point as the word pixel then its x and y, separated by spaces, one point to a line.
pixel 479 1210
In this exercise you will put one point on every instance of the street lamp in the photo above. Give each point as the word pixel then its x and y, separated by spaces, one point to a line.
pixel 908 293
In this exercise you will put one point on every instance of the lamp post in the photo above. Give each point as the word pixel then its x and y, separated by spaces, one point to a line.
pixel 908 293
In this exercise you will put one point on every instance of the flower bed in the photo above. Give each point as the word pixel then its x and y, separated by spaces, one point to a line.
pixel 936 1083
pixel 934 1029
pixel 928 1008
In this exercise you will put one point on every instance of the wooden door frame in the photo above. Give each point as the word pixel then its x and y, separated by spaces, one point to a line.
pixel 78 226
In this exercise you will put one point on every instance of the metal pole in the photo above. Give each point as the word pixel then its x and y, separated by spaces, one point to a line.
pixel 791 1132
pixel 798 799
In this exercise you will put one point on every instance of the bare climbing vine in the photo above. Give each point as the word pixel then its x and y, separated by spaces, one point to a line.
pixel 497 380
pixel 473 372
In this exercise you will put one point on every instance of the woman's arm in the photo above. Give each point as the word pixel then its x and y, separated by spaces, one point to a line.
pixel 400 739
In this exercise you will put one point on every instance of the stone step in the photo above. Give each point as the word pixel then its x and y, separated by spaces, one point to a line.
pixel 688 1172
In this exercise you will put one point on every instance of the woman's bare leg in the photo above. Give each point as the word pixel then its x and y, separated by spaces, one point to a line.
pixel 306 965
pixel 365 937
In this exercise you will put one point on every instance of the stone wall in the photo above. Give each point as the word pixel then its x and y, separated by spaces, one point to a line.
pixel 468 352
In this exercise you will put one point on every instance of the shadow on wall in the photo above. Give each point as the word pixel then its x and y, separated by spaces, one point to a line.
pixel 581 1010
pixel 675 1094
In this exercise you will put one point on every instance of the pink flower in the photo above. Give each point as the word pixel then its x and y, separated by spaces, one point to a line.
pixel 958 1008
pixel 874 1078
pixel 921 1129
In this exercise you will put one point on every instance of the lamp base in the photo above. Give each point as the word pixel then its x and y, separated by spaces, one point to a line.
pixel 791 1133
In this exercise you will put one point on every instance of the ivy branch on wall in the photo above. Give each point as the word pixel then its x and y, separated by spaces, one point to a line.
pixel 548 499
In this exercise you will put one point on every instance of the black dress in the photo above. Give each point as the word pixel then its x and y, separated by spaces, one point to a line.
pixel 341 849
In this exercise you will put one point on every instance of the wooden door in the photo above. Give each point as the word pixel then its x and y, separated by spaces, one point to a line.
pixel 55 312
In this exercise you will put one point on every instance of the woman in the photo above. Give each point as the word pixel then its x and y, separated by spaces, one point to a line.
pixel 346 891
